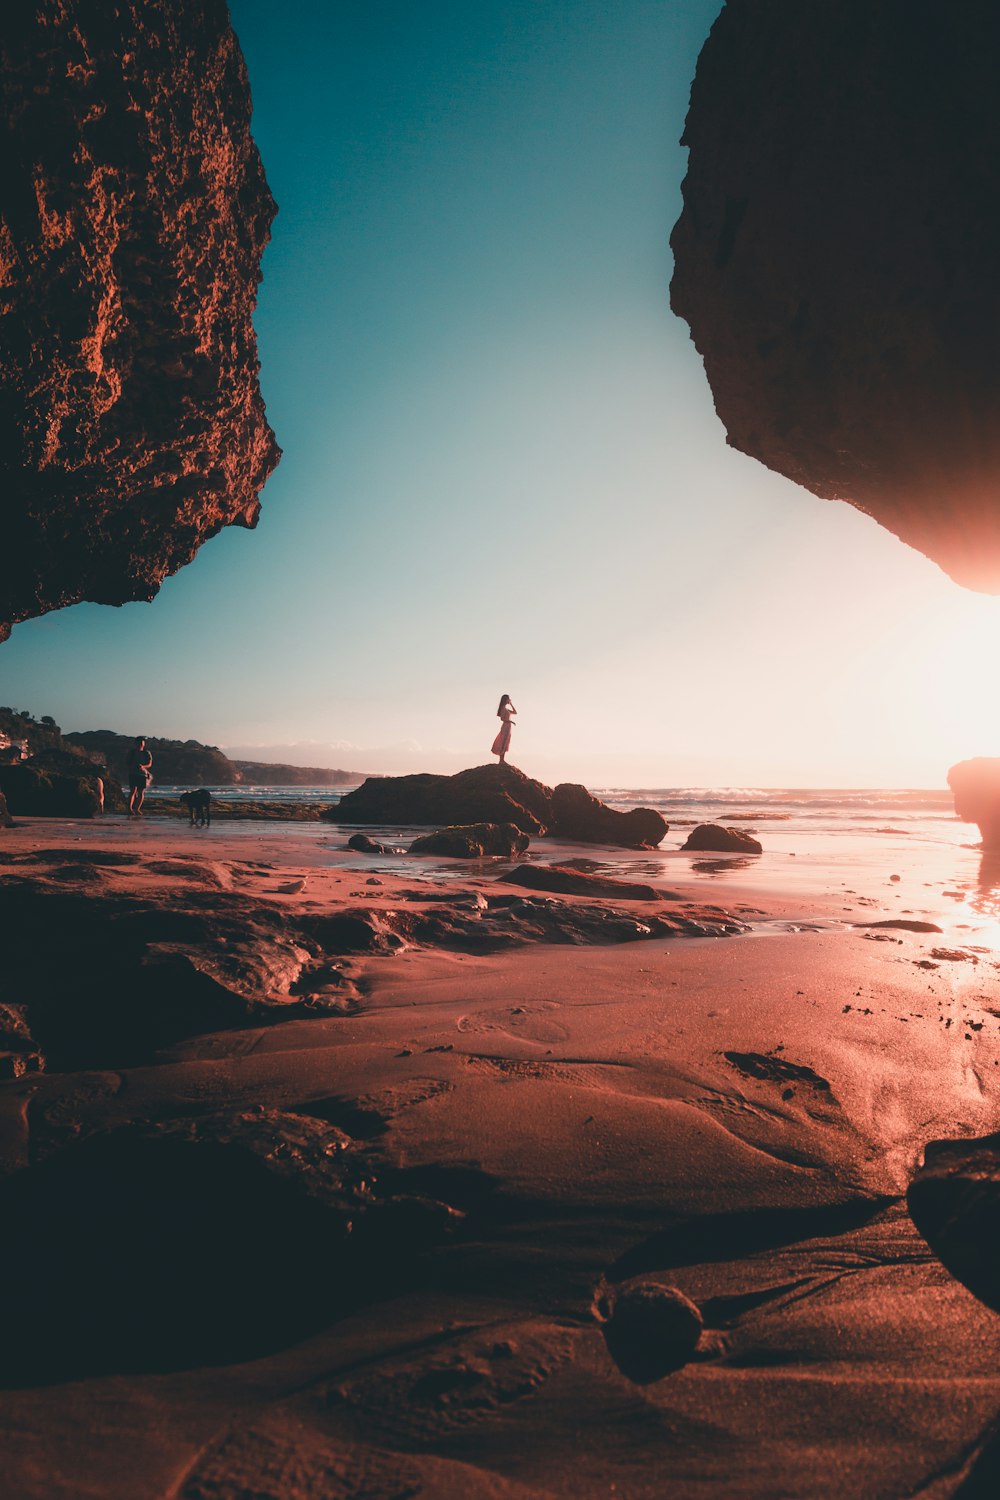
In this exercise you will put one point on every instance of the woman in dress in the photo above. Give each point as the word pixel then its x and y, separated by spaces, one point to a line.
pixel 506 712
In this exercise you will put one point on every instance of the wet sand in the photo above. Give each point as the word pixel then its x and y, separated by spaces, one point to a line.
pixel 521 1134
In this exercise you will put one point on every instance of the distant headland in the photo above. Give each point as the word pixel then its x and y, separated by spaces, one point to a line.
pixel 175 762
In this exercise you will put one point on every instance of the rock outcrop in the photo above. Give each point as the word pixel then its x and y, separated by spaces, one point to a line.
pixel 975 785
pixel 712 836
pixel 954 1200
pixel 473 841
pixel 483 794
pixel 498 794
pixel 33 792
pixel 584 819
pixel 570 882
pixel 836 258
pixel 5 818
pixel 133 215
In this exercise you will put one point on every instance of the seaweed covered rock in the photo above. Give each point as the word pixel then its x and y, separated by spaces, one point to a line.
pixel 836 258
pixel 473 840
pixel 713 837
pixel 133 215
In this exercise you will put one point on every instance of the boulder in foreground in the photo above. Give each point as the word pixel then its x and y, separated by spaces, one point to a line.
pixel 134 216
pixel 32 792
pixel 713 837
pixel 836 258
pixel 498 794
pixel 954 1200
pixel 473 840
pixel 975 785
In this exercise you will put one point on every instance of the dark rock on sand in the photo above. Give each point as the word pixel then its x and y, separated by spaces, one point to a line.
pixel 836 258
pixel 975 785
pixel 954 1200
pixel 483 794
pixel 583 819
pixel 498 794
pixel 197 1241
pixel 364 844
pixel 6 820
pixel 723 840
pixel 36 793
pixel 135 213
pixel 650 1330
pixel 570 882
pixel 473 840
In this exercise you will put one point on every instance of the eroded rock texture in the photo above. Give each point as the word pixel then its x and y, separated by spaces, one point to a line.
pixel 836 258
pixel 133 215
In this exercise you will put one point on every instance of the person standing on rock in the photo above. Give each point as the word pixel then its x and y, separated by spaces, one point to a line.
pixel 506 712
pixel 140 774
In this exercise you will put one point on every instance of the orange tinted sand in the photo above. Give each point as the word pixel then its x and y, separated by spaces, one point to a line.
pixel 734 1117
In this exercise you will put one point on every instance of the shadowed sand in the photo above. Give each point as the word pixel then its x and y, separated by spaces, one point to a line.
pixel 378 1210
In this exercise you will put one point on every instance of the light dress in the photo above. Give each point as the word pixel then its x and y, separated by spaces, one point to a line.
pixel 502 742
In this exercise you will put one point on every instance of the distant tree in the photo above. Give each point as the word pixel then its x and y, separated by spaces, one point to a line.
pixel 48 719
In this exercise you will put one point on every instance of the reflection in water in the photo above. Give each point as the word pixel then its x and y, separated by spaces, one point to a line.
pixel 720 866
pixel 985 901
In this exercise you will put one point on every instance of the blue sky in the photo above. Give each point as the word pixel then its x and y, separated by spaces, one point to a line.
pixel 502 468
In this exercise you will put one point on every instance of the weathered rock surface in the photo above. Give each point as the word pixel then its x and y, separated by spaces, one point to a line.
pixel 134 215
pixel 721 840
pixel 569 882
pixel 364 845
pixel 836 258
pixel 483 794
pixel 473 840
pixel 499 794
pixel 5 817
pixel 32 791
pixel 975 785
pixel 584 819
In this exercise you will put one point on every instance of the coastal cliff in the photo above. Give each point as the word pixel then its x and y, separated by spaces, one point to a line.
pixel 836 258
pixel 133 215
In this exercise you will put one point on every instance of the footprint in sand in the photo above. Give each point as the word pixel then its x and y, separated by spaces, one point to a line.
pixel 528 1023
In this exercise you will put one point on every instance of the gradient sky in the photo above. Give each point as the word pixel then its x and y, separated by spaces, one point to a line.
pixel 502 470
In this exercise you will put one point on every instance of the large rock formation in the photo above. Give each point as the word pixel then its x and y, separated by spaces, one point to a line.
pixel 975 785
pixel 836 258
pixel 499 794
pixel 133 216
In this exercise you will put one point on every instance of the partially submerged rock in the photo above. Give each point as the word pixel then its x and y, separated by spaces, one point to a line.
pixel 836 258
pixel 584 819
pixel 134 215
pixel 483 794
pixel 364 845
pixel 569 882
pixel 498 794
pixel 975 785
pixel 722 840
pixel 473 840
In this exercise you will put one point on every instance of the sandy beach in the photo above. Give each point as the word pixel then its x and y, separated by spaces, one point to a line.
pixel 507 1116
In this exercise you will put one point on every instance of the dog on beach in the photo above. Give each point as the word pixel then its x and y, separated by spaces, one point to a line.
pixel 199 805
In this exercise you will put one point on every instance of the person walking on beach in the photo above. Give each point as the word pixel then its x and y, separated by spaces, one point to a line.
pixel 139 775
pixel 506 712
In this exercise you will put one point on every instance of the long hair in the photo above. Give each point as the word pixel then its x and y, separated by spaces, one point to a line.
pixel 503 700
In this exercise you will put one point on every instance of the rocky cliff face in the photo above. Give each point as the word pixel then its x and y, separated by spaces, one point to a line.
pixel 133 215
pixel 837 258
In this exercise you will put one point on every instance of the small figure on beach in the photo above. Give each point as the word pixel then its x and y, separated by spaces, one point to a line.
pixel 506 712
pixel 140 774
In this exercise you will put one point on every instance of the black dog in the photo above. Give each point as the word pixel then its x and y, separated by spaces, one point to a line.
pixel 199 805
